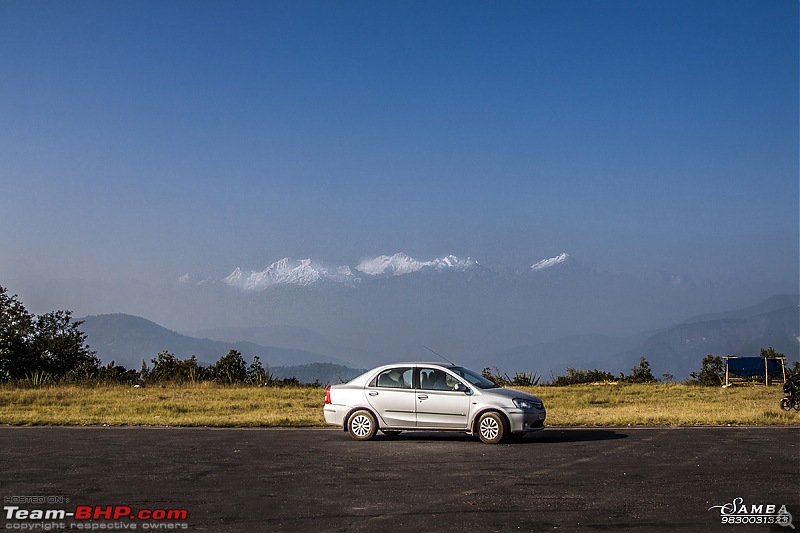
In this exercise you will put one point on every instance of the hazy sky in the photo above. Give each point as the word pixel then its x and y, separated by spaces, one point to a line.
pixel 156 138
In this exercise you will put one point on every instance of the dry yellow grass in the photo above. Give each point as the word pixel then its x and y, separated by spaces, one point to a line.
pixel 172 405
pixel 222 406
pixel 622 404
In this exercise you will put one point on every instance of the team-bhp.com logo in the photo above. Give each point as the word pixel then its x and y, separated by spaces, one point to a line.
pixel 91 517
pixel 737 512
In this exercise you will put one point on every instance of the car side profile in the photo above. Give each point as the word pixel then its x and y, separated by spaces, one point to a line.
pixel 431 396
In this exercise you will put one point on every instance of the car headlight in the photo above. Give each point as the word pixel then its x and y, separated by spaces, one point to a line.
pixel 523 404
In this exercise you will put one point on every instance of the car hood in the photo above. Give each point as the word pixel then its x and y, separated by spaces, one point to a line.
pixel 511 394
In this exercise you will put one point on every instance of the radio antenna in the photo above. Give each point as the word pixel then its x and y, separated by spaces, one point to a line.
pixel 440 355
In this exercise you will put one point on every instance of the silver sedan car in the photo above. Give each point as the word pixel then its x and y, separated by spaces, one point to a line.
pixel 431 396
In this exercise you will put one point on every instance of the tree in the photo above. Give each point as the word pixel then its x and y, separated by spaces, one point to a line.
pixel 17 357
pixel 167 367
pixel 770 352
pixel 495 376
pixel 257 374
pixel 641 373
pixel 112 373
pixel 60 346
pixel 51 344
pixel 576 376
pixel 712 372
pixel 231 368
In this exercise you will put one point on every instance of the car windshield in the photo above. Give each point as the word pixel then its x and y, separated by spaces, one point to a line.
pixel 473 377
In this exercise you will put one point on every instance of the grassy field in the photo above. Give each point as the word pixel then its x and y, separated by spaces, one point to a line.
pixel 223 406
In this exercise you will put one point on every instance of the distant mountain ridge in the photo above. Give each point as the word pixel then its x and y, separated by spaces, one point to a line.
pixel 680 349
pixel 320 372
pixel 301 272
pixel 677 349
pixel 128 340
pixel 307 272
pixel 278 336
pixel 551 262
pixel 773 303
pixel 400 264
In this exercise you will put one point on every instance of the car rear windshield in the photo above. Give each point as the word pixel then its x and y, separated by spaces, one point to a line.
pixel 473 377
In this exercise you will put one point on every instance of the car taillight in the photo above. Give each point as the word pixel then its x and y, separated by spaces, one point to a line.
pixel 328 394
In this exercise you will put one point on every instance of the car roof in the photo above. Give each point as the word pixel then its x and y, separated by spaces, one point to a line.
pixel 418 363
pixel 381 368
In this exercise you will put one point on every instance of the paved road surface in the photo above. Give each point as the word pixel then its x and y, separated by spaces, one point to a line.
pixel 249 480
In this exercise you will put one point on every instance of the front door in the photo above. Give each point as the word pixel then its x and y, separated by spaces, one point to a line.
pixel 438 405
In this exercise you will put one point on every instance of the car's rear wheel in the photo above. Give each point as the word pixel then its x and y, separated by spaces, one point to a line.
pixel 362 425
pixel 491 428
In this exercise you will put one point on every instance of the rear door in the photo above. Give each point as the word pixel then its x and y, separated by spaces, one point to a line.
pixel 438 405
pixel 392 396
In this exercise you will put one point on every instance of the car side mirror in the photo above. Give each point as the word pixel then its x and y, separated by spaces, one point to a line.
pixel 460 387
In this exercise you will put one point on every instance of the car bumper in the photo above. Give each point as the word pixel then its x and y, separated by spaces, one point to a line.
pixel 334 414
pixel 526 421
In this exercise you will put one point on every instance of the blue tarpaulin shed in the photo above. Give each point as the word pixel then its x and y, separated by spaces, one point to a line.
pixel 747 367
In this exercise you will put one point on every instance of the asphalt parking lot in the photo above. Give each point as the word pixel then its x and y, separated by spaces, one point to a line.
pixel 594 479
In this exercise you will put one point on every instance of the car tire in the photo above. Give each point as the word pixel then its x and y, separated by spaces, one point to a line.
pixel 362 425
pixel 491 428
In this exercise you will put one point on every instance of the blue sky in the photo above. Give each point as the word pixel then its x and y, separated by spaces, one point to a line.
pixel 142 139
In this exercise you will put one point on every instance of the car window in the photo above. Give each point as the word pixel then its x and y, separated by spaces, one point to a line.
pixel 394 378
pixel 435 379
pixel 474 378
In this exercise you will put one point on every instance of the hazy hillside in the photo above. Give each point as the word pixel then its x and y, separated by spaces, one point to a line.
pixel 279 335
pixel 774 303
pixel 468 312
pixel 554 356
pixel 325 373
pixel 130 339
pixel 678 349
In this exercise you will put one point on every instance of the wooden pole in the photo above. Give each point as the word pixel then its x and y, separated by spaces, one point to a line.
pixel 766 371
pixel 726 371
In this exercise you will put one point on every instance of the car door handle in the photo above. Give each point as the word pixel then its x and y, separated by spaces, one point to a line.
pixel 423 396
pixel 373 393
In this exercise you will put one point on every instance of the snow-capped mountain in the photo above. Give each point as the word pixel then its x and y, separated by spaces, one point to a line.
pixel 305 272
pixel 189 279
pixel 452 262
pixel 400 264
pixel 302 272
pixel 393 305
pixel 553 261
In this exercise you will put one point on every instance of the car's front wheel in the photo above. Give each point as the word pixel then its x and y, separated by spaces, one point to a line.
pixel 491 428
pixel 362 425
